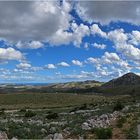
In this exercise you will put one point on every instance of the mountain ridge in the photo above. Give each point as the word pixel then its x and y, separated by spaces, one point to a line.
pixel 125 80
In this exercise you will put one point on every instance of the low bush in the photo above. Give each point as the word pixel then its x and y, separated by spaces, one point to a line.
pixel 29 113
pixel 52 115
pixel 83 107
pixel 103 133
pixel 2 111
pixel 22 110
pixel 121 121
pixel 118 106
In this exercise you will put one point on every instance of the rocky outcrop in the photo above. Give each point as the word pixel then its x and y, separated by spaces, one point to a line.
pixel 100 121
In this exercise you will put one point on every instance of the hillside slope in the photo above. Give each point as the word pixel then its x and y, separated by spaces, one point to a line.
pixel 125 80
pixel 126 84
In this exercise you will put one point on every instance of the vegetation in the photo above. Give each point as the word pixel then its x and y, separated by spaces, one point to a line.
pixel 29 114
pixel 118 106
pixel 103 133
pixel 35 123
pixel 45 100
pixel 121 121
pixel 52 115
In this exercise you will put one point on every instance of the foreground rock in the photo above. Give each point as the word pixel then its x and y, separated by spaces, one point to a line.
pixel 100 121
pixel 58 136
pixel 3 136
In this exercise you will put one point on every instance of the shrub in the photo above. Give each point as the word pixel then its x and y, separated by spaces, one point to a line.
pixel 30 113
pixel 52 115
pixel 103 133
pixel 83 107
pixel 118 106
pixel 131 133
pixel 22 110
pixel 2 111
pixel 121 121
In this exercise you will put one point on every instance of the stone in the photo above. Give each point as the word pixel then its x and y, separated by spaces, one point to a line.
pixel 58 136
pixel 66 131
pixel 85 126
pixel 125 109
pixel 53 129
pixel 43 131
pixel 49 137
pixel 3 136
pixel 81 138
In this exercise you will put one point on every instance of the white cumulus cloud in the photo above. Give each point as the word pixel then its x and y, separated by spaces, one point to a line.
pixel 77 62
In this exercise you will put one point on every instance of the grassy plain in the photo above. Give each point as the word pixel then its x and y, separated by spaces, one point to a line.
pixel 45 100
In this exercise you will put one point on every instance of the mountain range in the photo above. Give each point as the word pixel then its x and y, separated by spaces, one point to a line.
pixel 126 84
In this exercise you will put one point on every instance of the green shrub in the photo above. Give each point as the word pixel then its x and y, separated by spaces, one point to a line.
pixel 118 106
pixel 131 133
pixel 22 110
pixel 52 115
pixel 103 133
pixel 83 107
pixel 29 113
pixel 121 121
pixel 2 111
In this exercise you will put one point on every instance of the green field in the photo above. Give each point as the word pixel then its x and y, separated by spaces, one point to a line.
pixel 45 100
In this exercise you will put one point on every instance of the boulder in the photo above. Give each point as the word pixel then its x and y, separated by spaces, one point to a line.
pixel 44 131
pixel 3 136
pixel 49 137
pixel 85 126
pixel 14 138
pixel 58 136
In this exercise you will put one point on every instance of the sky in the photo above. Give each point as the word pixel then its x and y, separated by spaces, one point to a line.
pixel 62 41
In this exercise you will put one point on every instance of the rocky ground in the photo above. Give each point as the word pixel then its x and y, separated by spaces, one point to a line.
pixel 88 121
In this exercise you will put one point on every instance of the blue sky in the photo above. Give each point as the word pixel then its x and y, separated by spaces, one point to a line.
pixel 72 41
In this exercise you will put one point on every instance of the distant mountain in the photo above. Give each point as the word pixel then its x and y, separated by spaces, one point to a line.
pixel 126 84
pixel 128 79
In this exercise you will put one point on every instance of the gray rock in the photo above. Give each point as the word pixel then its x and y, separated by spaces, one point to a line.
pixel 81 138
pixel 3 136
pixel 49 137
pixel 66 131
pixel 54 123
pixel 14 138
pixel 85 126
pixel 126 108
pixel 58 136
pixel 53 129
pixel 43 131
